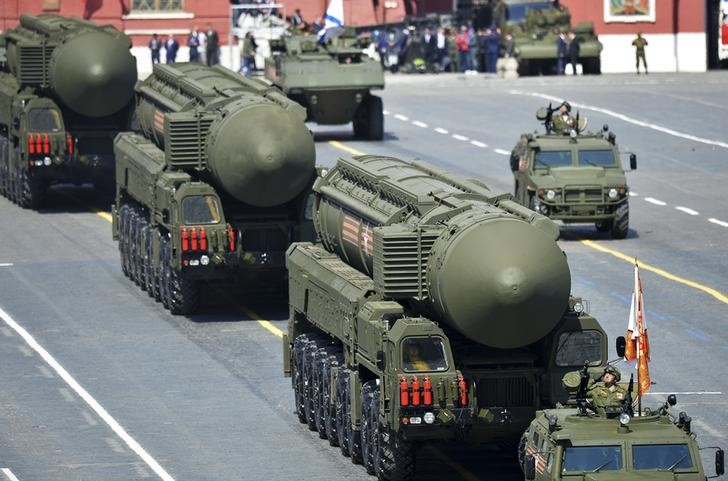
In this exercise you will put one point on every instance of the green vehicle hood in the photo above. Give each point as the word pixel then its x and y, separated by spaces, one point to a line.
pixel 559 177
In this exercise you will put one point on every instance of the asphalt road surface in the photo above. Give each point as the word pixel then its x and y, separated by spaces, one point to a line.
pixel 99 382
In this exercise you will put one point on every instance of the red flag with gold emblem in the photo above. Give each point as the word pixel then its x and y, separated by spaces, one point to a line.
pixel 643 343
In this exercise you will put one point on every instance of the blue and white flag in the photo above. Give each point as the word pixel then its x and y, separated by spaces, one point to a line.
pixel 333 21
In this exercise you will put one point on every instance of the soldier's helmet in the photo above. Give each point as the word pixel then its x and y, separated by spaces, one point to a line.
pixel 614 372
pixel 566 104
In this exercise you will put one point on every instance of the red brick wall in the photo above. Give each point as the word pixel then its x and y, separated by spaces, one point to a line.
pixel 690 17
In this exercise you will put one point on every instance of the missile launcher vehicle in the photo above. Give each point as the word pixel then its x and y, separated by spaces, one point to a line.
pixel 66 90
pixel 577 440
pixel 572 175
pixel 333 81
pixel 215 186
pixel 432 308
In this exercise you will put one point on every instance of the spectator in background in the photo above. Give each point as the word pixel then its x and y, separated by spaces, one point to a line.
pixel 317 25
pixel 247 55
pixel 443 57
pixel 237 12
pixel 493 40
pixel 562 51
pixel 429 46
pixel 509 46
pixel 462 43
pixel 155 45
pixel 297 19
pixel 193 43
pixel 212 49
pixel 171 46
pixel 574 51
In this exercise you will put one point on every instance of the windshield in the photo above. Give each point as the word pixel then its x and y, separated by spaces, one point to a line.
pixel 423 354
pixel 598 158
pixel 593 458
pixel 661 456
pixel 518 13
pixel 200 209
pixel 576 347
pixel 44 120
pixel 552 158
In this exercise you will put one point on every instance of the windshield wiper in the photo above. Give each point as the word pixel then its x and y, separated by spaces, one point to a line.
pixel 541 162
pixel 677 462
pixel 608 461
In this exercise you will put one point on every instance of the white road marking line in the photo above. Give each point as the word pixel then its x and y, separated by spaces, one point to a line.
pixel 92 403
pixel 460 137
pixel 9 474
pixel 687 210
pixel 633 194
pixel 6 264
pixel 45 371
pixel 501 151
pixel 67 396
pixel 628 119
pixel 652 200
pixel 479 144
pixel 26 352
pixel 440 130
pixel 685 393
pixel 385 112
pixel 90 420
pixel 718 222
pixel 704 427
pixel 401 117
pixel 419 124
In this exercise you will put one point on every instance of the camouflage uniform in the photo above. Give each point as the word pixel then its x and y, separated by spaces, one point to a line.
pixel 640 43
pixel 604 394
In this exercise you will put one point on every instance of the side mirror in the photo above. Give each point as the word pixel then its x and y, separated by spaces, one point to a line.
pixel 671 399
pixel 633 161
pixel 381 362
pixel 621 345
pixel 529 467
pixel 719 462
pixel 514 161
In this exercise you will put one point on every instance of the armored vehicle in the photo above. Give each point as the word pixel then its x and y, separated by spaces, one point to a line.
pixel 534 25
pixel 214 187
pixel 576 442
pixel 572 175
pixel 433 308
pixel 332 80
pixel 66 89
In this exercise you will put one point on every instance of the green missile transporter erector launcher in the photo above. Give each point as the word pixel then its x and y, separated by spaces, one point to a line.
pixel 433 308
pixel 216 185
pixel 332 81
pixel 66 90
pixel 534 25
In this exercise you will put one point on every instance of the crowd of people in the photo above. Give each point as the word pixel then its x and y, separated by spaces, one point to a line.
pixel 203 45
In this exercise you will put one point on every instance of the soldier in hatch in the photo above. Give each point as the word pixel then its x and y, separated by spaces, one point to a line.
pixel 562 120
pixel 606 392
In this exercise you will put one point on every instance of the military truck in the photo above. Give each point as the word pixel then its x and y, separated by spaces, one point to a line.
pixel 66 89
pixel 572 175
pixel 578 441
pixel 214 187
pixel 534 25
pixel 432 308
pixel 332 80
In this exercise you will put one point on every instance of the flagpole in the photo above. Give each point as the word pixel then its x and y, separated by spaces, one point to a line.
pixel 639 342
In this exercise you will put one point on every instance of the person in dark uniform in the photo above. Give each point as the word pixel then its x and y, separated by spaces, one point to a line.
pixel 213 47
pixel 574 51
pixel 155 45
pixel 562 51
pixel 429 46
pixel 639 44
pixel 171 46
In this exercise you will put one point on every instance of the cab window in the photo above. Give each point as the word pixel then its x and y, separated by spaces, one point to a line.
pixel 661 456
pixel 575 347
pixel 592 458
pixel 200 209
pixel 598 158
pixel 423 354
pixel 44 120
pixel 552 158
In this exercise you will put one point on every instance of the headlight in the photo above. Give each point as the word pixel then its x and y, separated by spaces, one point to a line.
pixel 47 161
pixel 429 418
pixel 204 260
pixel 544 209
pixel 578 307
pixel 612 193
pixel 550 195
pixel 624 418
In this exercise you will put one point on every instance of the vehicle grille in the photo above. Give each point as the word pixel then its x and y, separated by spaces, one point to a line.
pixel 186 141
pixel 33 66
pixel 400 262
pixel 505 392
pixel 583 195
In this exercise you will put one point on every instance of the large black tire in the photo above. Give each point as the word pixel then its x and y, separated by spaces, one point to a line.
pixel 149 278
pixel 184 293
pixel 3 165
pixel 132 244
pixel 521 453
pixel 369 424
pixel 354 436
pixel 369 119
pixel 343 427
pixel 331 429
pixel 165 272
pixel 620 224
pixel 31 190
pixel 142 259
pixel 396 460
pixel 310 353
pixel 322 389
pixel 123 217
pixel 299 346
